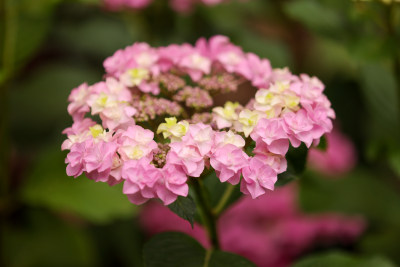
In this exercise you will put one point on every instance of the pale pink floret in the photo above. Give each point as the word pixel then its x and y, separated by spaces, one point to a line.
pixel 136 143
pixel 75 160
pixel 118 117
pixel 99 160
pixel 200 136
pixel 272 133
pixel 139 55
pixel 299 128
pixel 196 65
pixel 276 161
pixel 257 178
pixel 111 104
pixel 116 171
pixel 257 70
pixel 94 158
pixel 320 116
pixel 282 75
pixel 78 133
pixel 171 55
pixel 149 87
pixel 186 156
pixel 78 107
pixel 220 49
pixel 140 179
pixel 171 184
pixel 228 161
pixel 223 138
pixel 111 87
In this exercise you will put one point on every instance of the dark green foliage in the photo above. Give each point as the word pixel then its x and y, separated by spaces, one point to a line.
pixel 177 249
pixel 185 208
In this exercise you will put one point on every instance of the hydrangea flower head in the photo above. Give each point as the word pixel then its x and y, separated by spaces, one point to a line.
pixel 158 125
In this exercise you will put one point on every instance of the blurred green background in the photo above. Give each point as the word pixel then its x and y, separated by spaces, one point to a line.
pixel 49 47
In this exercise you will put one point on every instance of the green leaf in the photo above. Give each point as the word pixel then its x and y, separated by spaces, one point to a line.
pixel 216 190
pixel 221 259
pixel 340 259
pixel 379 89
pixel 315 15
pixel 44 89
pixel 185 208
pixel 172 250
pixel 296 165
pixel 286 177
pixel 48 186
pixel 100 36
pixel 27 24
pixel 42 239
pixel 297 158
pixel 177 249
pixel 383 127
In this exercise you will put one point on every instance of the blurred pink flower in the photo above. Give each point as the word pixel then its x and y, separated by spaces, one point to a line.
pixel 270 231
pixel 339 158
pixel 118 4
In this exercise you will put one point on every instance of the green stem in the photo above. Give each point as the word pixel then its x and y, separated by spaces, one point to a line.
pixel 208 257
pixel 208 217
pixel 224 199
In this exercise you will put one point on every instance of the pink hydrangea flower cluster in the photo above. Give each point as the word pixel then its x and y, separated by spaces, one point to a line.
pixel 154 159
pixel 272 230
pixel 339 158
pixel 182 6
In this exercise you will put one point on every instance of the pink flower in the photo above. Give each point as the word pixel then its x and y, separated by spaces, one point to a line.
pixel 171 55
pixel 272 133
pixel 228 161
pixel 186 156
pixel 151 87
pixel 99 160
pixel 143 84
pixel 119 4
pixel 172 184
pixel 257 177
pixel 299 127
pixel 78 97
pixel 139 55
pixel 136 143
pixel 78 133
pixel 276 161
pixel 182 6
pixel 339 158
pixel 140 179
pixel 257 70
pixel 75 160
pixel 95 158
pixel 200 136
pixel 220 49
pixel 224 138
pixel 118 117
pixel 196 65
pixel 321 118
